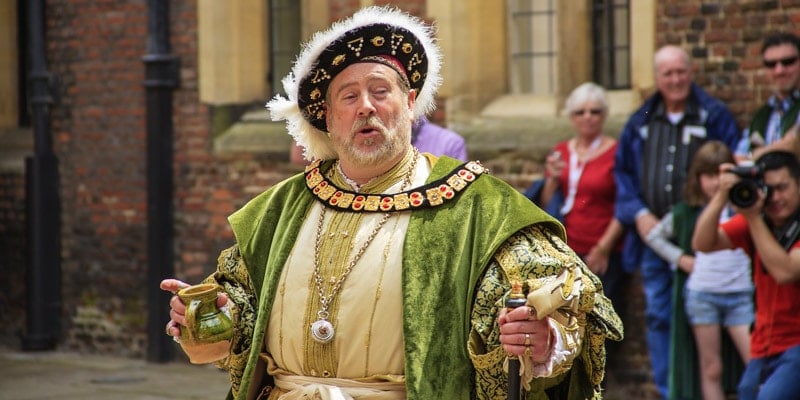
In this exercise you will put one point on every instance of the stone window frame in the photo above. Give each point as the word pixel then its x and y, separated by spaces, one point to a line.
pixel 533 53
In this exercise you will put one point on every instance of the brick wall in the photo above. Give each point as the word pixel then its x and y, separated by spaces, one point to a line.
pixel 724 40
pixel 95 48
pixel 12 259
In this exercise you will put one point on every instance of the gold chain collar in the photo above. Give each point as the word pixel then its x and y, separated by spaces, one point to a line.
pixel 431 195
pixel 323 330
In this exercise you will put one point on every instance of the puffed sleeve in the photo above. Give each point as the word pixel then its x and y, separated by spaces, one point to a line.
pixel 232 275
pixel 538 257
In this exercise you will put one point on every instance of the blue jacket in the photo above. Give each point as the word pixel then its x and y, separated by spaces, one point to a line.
pixel 720 125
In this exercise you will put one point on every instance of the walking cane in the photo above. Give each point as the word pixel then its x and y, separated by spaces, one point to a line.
pixel 515 299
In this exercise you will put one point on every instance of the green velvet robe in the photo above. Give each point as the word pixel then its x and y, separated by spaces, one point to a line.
pixel 446 252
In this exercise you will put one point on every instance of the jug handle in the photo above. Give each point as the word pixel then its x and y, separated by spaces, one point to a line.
pixel 191 312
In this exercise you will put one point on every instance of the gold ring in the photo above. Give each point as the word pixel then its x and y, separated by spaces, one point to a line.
pixel 527 339
pixel 528 352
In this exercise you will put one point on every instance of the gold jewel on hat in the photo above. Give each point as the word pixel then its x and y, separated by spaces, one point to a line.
pixel 374 34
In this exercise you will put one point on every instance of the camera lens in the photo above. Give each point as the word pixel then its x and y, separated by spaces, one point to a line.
pixel 744 193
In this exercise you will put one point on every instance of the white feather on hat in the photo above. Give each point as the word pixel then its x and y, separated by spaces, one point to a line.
pixel 314 141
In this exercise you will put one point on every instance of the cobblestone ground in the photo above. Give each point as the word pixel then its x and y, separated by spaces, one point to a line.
pixel 73 376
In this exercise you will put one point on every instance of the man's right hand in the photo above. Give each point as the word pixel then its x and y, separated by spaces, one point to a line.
pixel 177 308
pixel 177 311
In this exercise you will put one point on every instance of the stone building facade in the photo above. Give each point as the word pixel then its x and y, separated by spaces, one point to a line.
pixel 225 150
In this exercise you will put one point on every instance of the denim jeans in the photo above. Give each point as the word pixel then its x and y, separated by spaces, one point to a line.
pixel 725 309
pixel 772 378
pixel 657 283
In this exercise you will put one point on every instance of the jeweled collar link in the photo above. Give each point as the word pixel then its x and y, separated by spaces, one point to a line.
pixel 431 195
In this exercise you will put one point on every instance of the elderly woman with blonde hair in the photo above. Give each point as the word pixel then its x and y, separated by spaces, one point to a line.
pixel 579 178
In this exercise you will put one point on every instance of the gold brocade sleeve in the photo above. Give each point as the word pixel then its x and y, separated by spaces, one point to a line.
pixel 232 275
pixel 531 254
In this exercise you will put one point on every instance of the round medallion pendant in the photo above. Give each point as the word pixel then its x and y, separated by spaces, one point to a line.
pixel 322 331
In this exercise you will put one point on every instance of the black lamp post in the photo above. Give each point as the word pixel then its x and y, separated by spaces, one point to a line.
pixel 43 274
pixel 160 81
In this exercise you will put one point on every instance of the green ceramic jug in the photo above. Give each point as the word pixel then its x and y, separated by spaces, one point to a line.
pixel 205 323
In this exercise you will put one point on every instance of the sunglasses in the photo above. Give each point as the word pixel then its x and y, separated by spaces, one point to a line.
pixel 783 61
pixel 593 111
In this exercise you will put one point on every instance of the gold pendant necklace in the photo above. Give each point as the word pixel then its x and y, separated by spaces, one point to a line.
pixel 322 329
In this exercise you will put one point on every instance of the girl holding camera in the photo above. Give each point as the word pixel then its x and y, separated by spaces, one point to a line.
pixel 712 290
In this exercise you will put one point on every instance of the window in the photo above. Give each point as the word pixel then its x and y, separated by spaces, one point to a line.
pixel 284 35
pixel 532 30
pixel 611 47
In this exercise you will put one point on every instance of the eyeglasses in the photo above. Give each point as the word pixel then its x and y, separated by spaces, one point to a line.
pixel 783 61
pixel 593 111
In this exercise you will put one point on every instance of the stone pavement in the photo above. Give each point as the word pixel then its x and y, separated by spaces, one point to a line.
pixel 73 376
pixel 58 375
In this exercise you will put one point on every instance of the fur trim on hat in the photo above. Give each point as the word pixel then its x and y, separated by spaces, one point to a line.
pixel 315 142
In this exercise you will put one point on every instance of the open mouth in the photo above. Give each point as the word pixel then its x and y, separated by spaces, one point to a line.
pixel 367 130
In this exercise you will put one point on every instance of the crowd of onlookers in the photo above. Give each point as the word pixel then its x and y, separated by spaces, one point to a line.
pixel 721 280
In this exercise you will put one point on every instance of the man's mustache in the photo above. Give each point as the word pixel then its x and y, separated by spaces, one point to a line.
pixel 371 121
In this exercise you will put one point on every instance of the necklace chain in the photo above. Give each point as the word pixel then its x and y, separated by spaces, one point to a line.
pixel 325 300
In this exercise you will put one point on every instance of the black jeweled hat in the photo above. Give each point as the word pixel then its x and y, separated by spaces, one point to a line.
pixel 375 34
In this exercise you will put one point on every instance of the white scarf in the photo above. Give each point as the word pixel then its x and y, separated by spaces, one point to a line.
pixel 576 170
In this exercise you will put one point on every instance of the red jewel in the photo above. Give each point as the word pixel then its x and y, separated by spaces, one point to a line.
pixel 415 198
pixel 386 203
pixel 468 176
pixel 358 202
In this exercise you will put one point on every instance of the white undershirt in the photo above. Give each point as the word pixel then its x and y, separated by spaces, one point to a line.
pixel 576 170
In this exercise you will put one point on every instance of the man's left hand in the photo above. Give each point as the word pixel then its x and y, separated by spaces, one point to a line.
pixel 523 336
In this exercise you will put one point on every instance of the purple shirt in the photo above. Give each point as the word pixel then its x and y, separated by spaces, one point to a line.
pixel 431 138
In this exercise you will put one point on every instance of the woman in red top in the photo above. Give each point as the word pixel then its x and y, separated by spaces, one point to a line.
pixel 581 168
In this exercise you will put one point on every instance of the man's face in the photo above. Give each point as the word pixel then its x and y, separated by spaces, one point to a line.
pixel 673 79
pixel 782 68
pixel 369 115
pixel 784 196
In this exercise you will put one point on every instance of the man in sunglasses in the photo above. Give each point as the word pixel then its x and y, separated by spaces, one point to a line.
pixel 770 127
pixel 653 155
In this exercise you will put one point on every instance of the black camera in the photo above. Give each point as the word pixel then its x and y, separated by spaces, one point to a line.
pixel 744 193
